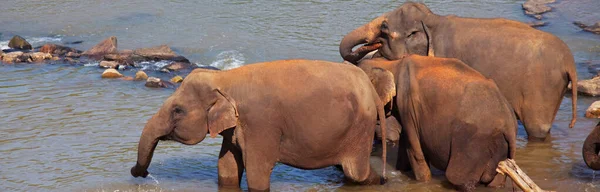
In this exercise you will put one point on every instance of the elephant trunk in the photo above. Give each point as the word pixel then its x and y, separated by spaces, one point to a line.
pixel 591 147
pixel 367 33
pixel 153 131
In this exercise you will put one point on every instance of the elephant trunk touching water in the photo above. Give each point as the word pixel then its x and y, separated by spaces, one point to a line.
pixel 532 68
pixel 591 147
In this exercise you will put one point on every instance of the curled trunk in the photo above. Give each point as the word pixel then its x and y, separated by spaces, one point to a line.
pixel 591 147
pixel 367 33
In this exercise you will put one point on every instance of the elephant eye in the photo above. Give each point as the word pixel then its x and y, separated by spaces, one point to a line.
pixel 384 26
pixel 412 33
pixel 178 110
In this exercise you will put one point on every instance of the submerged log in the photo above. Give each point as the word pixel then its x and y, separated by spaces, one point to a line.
pixel 509 167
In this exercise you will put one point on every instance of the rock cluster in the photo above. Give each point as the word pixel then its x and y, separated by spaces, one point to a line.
pixel 107 54
pixel 30 57
pixel 589 28
pixel 536 8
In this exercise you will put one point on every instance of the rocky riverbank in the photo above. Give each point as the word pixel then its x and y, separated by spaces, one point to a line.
pixel 107 54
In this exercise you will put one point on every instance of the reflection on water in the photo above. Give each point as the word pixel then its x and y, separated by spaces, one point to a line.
pixel 62 128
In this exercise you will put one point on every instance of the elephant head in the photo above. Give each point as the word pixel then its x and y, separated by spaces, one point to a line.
pixel 395 34
pixel 197 108
pixel 591 147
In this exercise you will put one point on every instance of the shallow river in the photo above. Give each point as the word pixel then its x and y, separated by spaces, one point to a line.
pixel 63 128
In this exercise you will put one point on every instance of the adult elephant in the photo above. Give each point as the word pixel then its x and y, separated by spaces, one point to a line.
pixel 532 68
pixel 591 147
pixel 295 112
pixel 452 118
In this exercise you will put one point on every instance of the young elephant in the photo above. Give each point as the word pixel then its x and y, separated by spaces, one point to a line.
pixel 297 112
pixel 452 118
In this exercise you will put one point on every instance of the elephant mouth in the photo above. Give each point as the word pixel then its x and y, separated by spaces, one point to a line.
pixel 366 48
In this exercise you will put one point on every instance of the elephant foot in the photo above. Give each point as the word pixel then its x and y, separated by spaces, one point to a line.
pixel 498 182
pixel 466 187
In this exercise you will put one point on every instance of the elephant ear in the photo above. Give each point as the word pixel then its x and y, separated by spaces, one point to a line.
pixel 222 115
pixel 430 52
pixel 383 81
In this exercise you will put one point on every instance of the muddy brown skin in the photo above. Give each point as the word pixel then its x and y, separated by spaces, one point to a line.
pixel 297 112
pixel 452 117
pixel 591 147
pixel 532 68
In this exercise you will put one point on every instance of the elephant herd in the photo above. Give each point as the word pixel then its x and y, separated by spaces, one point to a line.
pixel 449 90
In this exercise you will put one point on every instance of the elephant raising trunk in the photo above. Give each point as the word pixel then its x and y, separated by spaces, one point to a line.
pixel 591 147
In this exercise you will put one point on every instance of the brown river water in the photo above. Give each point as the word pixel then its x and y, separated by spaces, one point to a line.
pixel 63 128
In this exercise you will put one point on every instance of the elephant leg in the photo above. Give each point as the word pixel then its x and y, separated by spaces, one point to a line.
pixel 419 164
pixel 402 162
pixel 498 182
pixel 469 155
pixel 260 153
pixel 231 163
pixel 538 113
pixel 358 169
pixel 499 151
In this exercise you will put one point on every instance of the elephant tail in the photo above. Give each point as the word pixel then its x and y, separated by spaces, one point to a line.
pixel 573 77
pixel 383 126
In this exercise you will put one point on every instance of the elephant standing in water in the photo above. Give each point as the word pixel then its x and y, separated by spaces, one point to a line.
pixel 451 117
pixel 303 113
pixel 532 68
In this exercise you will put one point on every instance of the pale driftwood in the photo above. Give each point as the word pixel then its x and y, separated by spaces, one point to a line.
pixel 509 167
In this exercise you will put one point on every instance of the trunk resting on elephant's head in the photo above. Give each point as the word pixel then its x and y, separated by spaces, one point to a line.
pixel 365 34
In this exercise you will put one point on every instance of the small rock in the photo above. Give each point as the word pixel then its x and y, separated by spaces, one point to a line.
pixel 536 7
pixel 18 42
pixel 593 111
pixel 73 42
pixel 57 49
pixel 536 23
pixel 155 82
pixel 589 87
pixel 73 54
pixel 55 58
pixel 140 75
pixel 127 78
pixel 39 56
pixel 123 57
pixel 108 64
pixel 176 66
pixel 177 79
pixel 106 46
pixel 111 73
pixel 12 57
pixel 593 28
pixel 121 67
pixel 161 52
pixel 71 60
